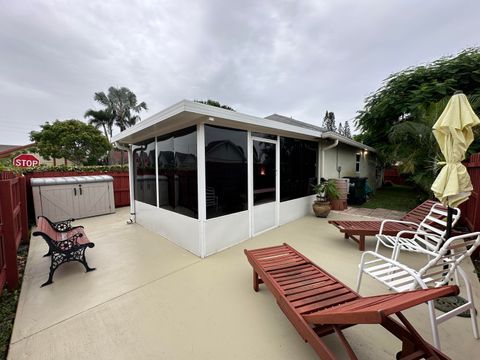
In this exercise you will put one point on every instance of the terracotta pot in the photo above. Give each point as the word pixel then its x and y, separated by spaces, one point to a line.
pixel 338 204
pixel 321 208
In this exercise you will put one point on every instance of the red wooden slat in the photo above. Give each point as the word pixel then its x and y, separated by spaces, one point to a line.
pixel 314 276
pixel 317 298
pixel 313 286
pixel 327 303
pixel 297 275
pixel 320 290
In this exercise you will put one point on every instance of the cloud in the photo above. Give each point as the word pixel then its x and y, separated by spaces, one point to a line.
pixel 261 57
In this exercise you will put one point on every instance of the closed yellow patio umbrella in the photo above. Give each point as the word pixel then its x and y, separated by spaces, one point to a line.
pixel 454 134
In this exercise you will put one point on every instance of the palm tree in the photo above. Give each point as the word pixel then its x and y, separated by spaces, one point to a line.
pixel 122 104
pixel 415 147
pixel 101 119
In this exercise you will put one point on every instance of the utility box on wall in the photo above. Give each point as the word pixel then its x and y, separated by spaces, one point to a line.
pixel 60 198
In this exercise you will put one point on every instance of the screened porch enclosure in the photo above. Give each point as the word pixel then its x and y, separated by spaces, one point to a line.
pixel 208 187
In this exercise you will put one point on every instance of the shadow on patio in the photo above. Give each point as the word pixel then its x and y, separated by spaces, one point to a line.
pixel 149 299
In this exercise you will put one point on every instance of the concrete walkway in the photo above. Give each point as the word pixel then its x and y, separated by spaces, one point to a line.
pixel 149 299
pixel 375 213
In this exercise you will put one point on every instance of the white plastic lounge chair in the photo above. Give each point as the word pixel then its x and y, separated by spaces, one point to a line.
pixel 438 271
pixel 424 237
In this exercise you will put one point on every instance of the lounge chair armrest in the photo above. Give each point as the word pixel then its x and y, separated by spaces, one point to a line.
pixel 404 267
pixel 395 221
pixel 416 232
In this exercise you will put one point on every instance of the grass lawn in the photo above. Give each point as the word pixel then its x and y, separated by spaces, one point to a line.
pixel 8 304
pixel 395 197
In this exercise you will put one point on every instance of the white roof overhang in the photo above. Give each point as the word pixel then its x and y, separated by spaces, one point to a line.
pixel 345 140
pixel 187 113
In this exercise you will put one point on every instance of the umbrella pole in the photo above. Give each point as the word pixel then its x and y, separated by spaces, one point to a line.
pixel 448 233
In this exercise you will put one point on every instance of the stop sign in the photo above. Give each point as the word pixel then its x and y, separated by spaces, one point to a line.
pixel 26 160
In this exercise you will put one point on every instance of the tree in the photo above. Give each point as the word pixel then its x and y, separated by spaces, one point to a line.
pixel 340 129
pixel 329 121
pixel 414 145
pixel 346 130
pixel 123 106
pixel 101 118
pixel 214 103
pixel 403 93
pixel 71 139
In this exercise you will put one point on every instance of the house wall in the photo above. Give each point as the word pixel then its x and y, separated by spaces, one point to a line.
pixel 219 234
pixel 294 209
pixel 344 155
pixel 180 229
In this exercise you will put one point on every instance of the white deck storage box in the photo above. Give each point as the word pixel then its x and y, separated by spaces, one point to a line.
pixel 60 198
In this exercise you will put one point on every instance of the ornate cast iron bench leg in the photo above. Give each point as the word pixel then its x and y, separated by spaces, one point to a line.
pixel 83 260
pixel 56 261
pixel 61 258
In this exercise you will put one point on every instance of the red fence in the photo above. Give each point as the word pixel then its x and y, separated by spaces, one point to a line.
pixel 13 226
pixel 391 175
pixel 120 183
pixel 471 208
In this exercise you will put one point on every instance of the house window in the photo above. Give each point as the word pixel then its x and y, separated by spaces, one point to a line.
pixel 144 162
pixel 226 170
pixel 177 172
pixel 357 162
pixel 298 168
pixel 174 172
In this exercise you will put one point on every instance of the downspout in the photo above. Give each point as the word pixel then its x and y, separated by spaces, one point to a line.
pixel 131 177
pixel 322 171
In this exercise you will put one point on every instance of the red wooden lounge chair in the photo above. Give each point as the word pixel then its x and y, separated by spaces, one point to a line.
pixel 317 304
pixel 358 229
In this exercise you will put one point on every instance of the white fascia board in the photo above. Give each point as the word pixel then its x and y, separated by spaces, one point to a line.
pixel 212 111
pixel 348 141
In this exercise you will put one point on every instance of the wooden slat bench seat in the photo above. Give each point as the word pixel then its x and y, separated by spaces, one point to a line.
pixel 65 243
pixel 318 304
pixel 356 230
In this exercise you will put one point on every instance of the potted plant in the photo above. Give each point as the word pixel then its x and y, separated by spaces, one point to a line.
pixel 326 190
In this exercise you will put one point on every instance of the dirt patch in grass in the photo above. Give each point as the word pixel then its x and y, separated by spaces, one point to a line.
pixel 8 304
pixel 395 197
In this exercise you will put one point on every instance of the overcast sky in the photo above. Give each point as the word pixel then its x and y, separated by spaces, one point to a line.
pixel 295 58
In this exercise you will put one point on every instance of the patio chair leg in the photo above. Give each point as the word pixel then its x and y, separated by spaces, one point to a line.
pixel 255 281
pixel 84 262
pixel 360 274
pixel 345 343
pixel 55 262
pixel 473 312
pixel 434 324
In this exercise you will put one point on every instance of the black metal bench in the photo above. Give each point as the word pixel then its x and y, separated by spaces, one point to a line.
pixel 65 243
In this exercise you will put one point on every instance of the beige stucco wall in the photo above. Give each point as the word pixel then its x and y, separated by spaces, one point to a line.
pixel 344 155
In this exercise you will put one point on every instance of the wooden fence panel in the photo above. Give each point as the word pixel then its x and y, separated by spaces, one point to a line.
pixel 471 208
pixel 13 226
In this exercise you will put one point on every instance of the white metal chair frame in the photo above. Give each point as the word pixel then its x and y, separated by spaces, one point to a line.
pixel 438 271
pixel 426 237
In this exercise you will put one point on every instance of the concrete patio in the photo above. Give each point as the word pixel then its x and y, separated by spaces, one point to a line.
pixel 149 299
